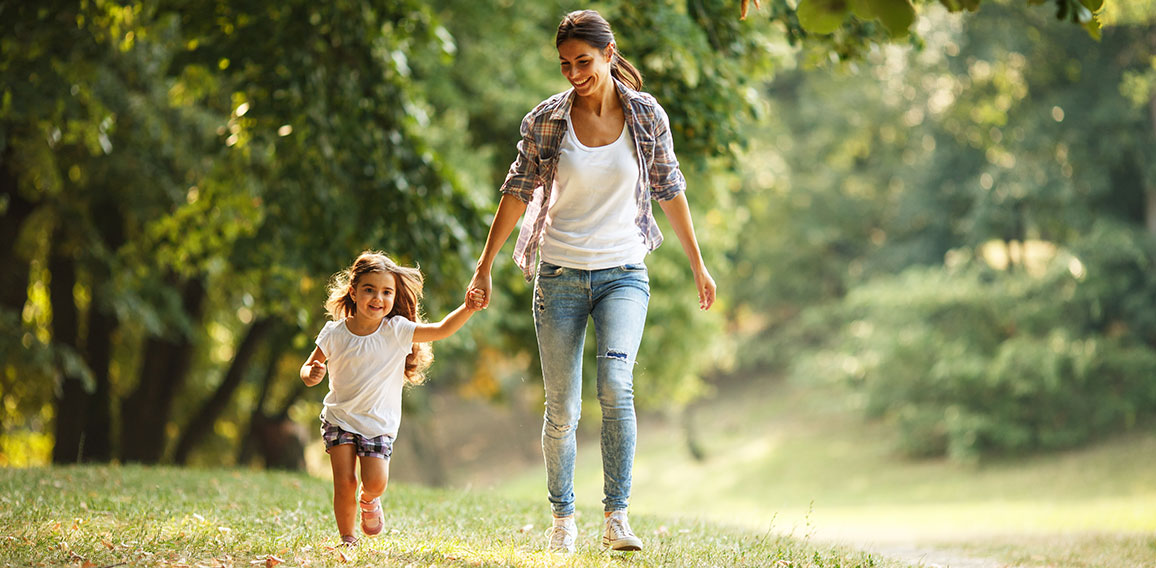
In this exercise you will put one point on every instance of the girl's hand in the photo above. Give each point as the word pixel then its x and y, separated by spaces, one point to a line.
pixel 475 299
pixel 316 372
pixel 478 293
pixel 706 288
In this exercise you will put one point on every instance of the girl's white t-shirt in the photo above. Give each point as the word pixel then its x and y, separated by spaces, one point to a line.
pixel 366 375
pixel 591 219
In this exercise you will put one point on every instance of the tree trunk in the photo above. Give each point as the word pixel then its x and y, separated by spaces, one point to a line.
pixel 280 441
pixel 283 446
pixel 73 397
pixel 145 413
pixel 14 276
pixel 206 417
pixel 102 324
pixel 273 353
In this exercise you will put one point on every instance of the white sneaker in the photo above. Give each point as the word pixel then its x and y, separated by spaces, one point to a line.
pixel 616 535
pixel 562 535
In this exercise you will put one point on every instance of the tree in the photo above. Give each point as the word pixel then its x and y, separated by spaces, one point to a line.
pixel 966 255
pixel 189 203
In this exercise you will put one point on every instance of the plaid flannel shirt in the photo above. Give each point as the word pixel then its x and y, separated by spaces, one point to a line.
pixel 531 176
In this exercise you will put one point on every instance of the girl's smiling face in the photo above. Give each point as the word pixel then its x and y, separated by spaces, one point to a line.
pixel 373 293
pixel 585 66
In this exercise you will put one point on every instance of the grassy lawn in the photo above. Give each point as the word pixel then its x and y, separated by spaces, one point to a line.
pixel 794 460
pixel 137 516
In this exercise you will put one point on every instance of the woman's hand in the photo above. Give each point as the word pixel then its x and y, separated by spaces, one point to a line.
pixel 678 213
pixel 510 209
pixel 706 288
pixel 478 292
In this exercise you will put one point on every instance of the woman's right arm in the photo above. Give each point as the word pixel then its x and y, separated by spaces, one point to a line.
pixel 510 209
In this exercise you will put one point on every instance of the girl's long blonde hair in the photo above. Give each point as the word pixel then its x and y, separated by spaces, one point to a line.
pixel 407 302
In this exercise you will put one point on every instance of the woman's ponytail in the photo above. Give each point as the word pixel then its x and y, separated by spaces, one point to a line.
pixel 624 71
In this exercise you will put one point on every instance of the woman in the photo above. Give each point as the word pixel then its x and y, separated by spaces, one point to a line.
pixel 589 162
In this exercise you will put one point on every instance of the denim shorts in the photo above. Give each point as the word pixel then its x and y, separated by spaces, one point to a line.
pixel 379 447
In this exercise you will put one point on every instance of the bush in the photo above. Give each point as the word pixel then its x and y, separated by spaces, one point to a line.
pixel 967 361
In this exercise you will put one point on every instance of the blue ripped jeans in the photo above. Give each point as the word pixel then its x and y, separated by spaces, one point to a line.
pixel 564 300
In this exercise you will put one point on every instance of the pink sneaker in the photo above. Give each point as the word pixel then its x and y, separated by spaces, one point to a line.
pixel 372 519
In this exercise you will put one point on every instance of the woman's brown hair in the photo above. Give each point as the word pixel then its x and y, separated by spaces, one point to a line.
pixel 590 27
pixel 406 303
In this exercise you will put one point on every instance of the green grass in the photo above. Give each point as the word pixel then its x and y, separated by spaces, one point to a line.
pixel 796 460
pixel 107 516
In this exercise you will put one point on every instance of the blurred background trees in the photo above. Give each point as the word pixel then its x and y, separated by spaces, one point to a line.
pixel 954 218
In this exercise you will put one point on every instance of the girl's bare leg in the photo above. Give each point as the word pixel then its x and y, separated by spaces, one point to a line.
pixel 374 477
pixel 343 459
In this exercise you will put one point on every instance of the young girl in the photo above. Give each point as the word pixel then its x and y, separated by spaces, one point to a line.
pixel 374 345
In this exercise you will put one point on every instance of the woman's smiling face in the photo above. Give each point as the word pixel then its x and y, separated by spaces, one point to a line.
pixel 585 66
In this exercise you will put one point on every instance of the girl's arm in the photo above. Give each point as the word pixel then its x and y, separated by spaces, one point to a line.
pixel 510 209
pixel 678 213
pixel 314 368
pixel 426 332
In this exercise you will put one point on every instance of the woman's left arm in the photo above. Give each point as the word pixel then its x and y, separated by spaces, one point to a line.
pixel 678 213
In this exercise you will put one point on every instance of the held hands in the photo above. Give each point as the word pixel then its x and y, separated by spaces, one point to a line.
pixel 478 292
pixel 475 299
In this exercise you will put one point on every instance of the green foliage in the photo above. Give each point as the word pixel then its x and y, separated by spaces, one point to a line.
pixel 825 17
pixel 702 65
pixel 1005 133
pixel 227 149
pixel 969 362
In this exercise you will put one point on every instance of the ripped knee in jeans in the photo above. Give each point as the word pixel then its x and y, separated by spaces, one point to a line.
pixel 616 355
